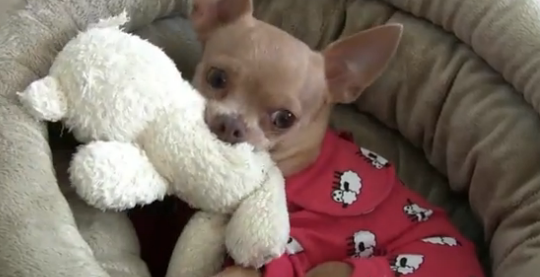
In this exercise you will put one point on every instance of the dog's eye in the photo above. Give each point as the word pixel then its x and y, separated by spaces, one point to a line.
pixel 216 78
pixel 283 119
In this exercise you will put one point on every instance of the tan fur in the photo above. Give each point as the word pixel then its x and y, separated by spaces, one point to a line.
pixel 268 70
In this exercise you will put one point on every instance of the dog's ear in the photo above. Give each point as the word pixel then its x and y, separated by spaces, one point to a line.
pixel 208 15
pixel 354 63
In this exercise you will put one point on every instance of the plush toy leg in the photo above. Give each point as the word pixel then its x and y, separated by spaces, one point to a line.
pixel 200 250
pixel 259 229
pixel 44 100
pixel 110 235
pixel 115 175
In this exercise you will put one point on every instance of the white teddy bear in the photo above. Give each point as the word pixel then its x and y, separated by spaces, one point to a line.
pixel 146 138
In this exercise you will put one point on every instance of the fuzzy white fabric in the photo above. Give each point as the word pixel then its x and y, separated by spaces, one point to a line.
pixel 146 138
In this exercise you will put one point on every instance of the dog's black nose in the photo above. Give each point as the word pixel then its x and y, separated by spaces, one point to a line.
pixel 228 128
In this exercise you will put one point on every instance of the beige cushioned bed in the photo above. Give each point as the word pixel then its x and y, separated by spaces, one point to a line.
pixel 457 111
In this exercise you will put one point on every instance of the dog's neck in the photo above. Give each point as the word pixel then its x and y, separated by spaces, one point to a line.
pixel 296 154
pixel 291 162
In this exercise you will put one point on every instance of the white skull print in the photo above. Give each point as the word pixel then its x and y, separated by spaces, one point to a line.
pixel 376 160
pixel 347 187
pixel 442 240
pixel 416 213
pixel 363 244
pixel 344 197
pixel 406 263
pixel 293 246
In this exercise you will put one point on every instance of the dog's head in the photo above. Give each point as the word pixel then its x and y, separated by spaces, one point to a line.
pixel 270 89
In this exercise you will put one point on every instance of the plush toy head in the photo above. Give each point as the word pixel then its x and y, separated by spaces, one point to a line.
pixel 83 85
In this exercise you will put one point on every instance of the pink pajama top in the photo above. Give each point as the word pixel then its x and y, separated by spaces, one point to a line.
pixel 351 206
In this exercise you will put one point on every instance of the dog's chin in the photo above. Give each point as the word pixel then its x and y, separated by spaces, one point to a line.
pixel 260 145
pixel 257 147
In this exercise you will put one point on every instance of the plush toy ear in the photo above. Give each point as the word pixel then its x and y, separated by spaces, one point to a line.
pixel 354 63
pixel 208 15
pixel 43 99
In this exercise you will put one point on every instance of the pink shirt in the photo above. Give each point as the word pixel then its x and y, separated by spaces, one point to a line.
pixel 350 206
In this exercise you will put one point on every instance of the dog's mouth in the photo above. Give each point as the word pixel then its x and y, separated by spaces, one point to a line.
pixel 232 129
pixel 256 147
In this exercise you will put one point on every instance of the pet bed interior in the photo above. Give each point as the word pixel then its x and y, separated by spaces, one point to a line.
pixel 457 112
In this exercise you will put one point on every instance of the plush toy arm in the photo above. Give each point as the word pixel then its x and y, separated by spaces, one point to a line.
pixel 200 250
pixel 115 175
pixel 259 229
pixel 44 100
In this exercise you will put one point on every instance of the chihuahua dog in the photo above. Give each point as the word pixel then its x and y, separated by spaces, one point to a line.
pixel 269 89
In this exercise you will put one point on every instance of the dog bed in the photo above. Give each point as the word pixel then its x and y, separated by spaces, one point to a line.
pixel 457 112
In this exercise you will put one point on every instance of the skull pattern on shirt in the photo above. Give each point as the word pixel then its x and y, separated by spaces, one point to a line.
pixel 405 264
pixel 373 158
pixel 362 244
pixel 293 246
pixel 347 187
pixel 442 240
pixel 416 213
